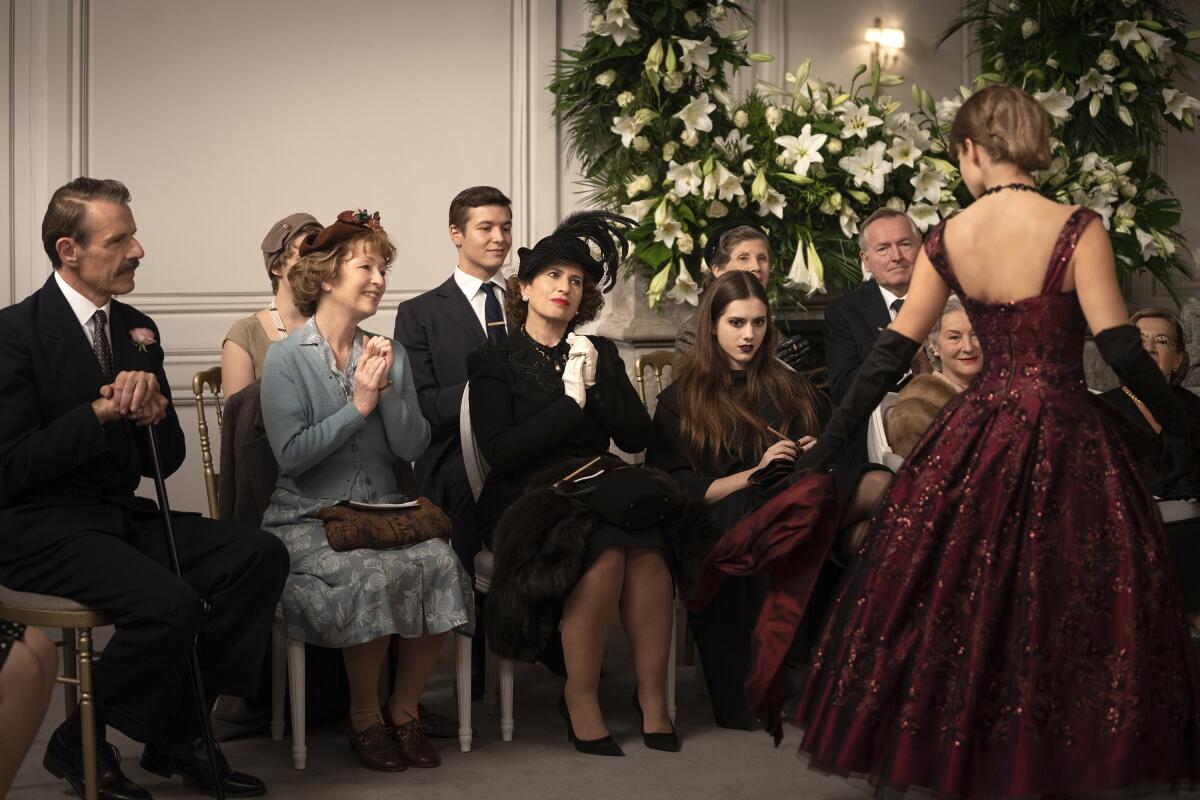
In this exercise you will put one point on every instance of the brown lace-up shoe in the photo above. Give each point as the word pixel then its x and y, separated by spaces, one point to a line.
pixel 375 748
pixel 411 743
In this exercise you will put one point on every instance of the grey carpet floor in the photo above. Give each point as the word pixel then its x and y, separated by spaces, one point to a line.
pixel 539 763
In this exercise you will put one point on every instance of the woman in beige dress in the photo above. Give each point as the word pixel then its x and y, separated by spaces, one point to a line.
pixel 245 347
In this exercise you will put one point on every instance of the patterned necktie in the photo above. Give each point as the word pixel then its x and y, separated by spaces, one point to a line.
pixel 899 301
pixel 100 342
pixel 493 314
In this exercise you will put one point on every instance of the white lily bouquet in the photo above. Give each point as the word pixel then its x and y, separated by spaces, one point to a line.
pixel 649 116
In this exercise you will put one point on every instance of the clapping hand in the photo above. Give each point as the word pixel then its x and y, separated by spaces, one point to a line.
pixel 371 373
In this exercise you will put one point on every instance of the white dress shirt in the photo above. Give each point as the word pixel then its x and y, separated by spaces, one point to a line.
pixel 85 309
pixel 472 289
pixel 888 299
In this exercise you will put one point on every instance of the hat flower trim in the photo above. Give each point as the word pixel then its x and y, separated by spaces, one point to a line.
pixel 362 217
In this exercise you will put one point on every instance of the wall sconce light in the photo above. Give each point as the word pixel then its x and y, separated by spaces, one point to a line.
pixel 886 44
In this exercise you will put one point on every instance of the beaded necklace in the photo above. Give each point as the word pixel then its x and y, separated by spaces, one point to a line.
pixel 1020 187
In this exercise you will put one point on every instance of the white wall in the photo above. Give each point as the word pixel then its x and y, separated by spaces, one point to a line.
pixel 224 115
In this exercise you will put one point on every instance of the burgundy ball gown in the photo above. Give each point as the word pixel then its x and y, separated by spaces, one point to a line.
pixel 1011 627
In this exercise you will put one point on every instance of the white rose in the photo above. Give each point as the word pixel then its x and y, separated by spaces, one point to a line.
pixel 831 204
pixel 669 150
pixel 1029 27
pixel 1107 60
pixel 690 138
pixel 596 23
pixel 774 116
pixel 641 144
pixel 624 99
pixel 684 243
pixel 607 78
pixel 692 19
pixel 833 146
pixel 673 81
pixel 896 204
pixel 716 209
pixel 716 13
pixel 740 119
pixel 637 186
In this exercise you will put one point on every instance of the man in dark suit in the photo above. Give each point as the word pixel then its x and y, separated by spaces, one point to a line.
pixel 439 329
pixel 888 245
pixel 81 375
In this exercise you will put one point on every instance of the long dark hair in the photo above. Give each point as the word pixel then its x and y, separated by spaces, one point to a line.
pixel 710 417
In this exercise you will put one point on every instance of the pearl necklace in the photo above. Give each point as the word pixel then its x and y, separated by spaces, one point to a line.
pixel 278 320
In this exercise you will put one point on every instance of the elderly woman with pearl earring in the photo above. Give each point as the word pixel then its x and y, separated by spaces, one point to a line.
pixel 957 360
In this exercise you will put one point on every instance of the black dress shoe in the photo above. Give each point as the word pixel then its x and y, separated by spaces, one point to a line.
pixel 190 761
pixel 65 761
pixel 605 746
pixel 666 742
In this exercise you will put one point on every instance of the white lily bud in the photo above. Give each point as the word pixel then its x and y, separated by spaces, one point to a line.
pixel 607 78
pixel 748 167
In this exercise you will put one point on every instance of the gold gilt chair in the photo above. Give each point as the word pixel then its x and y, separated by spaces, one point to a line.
pixel 658 360
pixel 208 378
pixel 76 622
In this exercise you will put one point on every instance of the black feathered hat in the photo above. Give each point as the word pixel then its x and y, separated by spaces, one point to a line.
pixel 592 240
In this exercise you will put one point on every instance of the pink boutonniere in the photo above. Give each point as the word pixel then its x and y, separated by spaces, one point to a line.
pixel 143 338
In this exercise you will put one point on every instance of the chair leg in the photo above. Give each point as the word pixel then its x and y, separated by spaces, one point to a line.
pixel 87 713
pixel 506 699
pixel 70 670
pixel 278 678
pixel 464 693
pixel 295 652
pixel 671 671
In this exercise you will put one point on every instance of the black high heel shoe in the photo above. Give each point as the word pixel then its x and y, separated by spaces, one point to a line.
pixel 667 742
pixel 592 747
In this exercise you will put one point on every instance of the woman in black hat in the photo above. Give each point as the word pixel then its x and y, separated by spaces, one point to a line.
pixel 245 347
pixel 543 404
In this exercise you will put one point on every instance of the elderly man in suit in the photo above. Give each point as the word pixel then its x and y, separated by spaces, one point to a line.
pixel 888 245
pixel 81 376
pixel 439 329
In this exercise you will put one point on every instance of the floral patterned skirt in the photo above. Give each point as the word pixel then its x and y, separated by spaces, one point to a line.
pixel 337 599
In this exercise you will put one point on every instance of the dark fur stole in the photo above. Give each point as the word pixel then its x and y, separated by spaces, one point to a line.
pixel 539 546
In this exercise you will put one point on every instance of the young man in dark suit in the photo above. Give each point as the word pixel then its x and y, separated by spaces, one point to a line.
pixel 81 377
pixel 439 329
pixel 888 245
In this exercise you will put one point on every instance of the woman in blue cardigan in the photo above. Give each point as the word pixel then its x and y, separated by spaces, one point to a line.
pixel 340 410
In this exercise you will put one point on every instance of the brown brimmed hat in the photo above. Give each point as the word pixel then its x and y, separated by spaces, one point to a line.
pixel 280 237
pixel 347 225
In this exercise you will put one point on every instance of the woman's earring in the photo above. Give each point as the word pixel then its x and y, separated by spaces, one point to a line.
pixel 524 298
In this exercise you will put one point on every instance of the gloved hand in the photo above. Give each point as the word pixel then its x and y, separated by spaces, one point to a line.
pixel 795 351
pixel 887 362
pixel 582 347
pixel 1122 348
pixel 572 379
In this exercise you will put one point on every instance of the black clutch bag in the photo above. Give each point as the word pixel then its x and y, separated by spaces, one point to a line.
pixel 625 497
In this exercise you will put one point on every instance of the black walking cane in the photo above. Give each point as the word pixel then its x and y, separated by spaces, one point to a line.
pixel 160 486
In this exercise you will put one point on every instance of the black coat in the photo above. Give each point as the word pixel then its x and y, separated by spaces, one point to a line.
pixel 439 330
pixel 852 323
pixel 668 453
pixel 522 419
pixel 61 471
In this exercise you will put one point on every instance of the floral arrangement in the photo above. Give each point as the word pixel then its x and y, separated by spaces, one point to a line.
pixel 649 117
pixel 1104 71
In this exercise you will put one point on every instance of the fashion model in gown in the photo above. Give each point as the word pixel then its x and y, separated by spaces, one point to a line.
pixel 1011 626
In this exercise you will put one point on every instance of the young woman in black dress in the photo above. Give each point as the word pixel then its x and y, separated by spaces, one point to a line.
pixel 717 423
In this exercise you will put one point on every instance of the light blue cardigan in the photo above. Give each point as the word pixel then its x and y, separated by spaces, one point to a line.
pixel 320 439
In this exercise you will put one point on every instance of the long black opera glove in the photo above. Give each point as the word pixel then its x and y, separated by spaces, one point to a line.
pixel 887 362
pixel 795 351
pixel 1122 348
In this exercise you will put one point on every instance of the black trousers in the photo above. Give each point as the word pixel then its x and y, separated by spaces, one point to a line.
pixel 724 633
pixel 233 576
